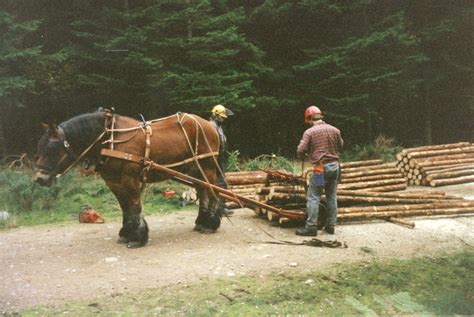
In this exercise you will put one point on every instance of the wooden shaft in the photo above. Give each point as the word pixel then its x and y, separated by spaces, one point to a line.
pixel 227 194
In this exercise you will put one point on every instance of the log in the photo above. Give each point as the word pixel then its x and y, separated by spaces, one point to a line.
pixel 401 222
pixel 432 153
pixel 384 200
pixel 379 183
pixel 446 159
pixel 272 216
pixel 365 178
pixel 287 197
pixel 437 205
pixel 246 180
pixel 392 171
pixel 448 168
pixel 280 189
pixel 435 147
pixel 361 163
pixel 405 213
pixel 415 194
pixel 242 173
pixel 449 174
pixel 289 206
pixel 371 168
pixel 452 181
pixel 388 188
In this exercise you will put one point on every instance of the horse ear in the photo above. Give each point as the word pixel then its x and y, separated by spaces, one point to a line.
pixel 53 130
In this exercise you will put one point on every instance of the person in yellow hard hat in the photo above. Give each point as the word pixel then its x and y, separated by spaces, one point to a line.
pixel 219 114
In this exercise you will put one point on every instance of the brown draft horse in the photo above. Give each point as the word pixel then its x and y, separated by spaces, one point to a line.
pixel 184 142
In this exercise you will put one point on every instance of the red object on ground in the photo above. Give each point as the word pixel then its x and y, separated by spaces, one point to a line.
pixel 89 215
pixel 168 193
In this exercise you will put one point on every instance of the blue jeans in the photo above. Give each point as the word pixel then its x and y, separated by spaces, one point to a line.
pixel 331 178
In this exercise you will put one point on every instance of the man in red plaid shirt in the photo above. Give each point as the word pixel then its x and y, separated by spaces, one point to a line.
pixel 323 142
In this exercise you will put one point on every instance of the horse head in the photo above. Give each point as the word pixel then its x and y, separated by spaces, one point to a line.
pixel 61 147
pixel 51 155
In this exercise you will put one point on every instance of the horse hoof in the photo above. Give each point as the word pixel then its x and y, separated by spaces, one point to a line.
pixel 122 240
pixel 207 230
pixel 197 228
pixel 135 244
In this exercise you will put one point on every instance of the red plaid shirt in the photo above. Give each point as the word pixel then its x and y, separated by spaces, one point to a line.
pixel 322 140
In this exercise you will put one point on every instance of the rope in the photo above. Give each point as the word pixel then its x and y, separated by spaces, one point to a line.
pixel 180 122
pixel 314 242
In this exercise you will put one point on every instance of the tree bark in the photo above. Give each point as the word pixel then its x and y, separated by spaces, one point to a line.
pixel 452 181
pixel 361 163
pixel 452 174
pixel 435 147
pixel 438 153
pixel 405 213
pixel 361 185
pixel 437 205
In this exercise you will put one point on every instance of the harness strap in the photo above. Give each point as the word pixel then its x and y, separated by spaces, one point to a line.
pixel 139 159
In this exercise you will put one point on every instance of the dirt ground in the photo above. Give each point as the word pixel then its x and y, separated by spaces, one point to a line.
pixel 54 264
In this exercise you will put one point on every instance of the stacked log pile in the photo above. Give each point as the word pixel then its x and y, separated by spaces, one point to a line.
pixel 438 165
pixel 371 175
pixel 362 195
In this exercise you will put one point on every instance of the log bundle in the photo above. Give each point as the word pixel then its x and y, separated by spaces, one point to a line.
pixel 437 165
pixel 371 175
pixel 368 190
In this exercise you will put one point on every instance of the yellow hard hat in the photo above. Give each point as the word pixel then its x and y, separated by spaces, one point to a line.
pixel 220 110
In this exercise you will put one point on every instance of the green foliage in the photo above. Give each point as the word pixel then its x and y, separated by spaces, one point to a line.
pixel 383 148
pixel 31 204
pixel 19 194
pixel 265 161
pixel 439 285
pixel 15 57
pixel 401 69
pixel 233 161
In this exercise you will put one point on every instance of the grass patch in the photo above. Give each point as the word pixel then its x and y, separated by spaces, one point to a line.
pixel 30 204
pixel 441 285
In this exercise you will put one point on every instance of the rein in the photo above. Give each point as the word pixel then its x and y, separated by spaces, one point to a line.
pixel 68 151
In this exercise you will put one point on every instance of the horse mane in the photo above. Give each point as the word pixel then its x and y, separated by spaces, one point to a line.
pixel 82 130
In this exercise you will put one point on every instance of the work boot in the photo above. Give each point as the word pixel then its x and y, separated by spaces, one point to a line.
pixel 329 229
pixel 306 232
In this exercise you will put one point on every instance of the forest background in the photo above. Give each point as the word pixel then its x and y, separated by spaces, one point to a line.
pixel 402 69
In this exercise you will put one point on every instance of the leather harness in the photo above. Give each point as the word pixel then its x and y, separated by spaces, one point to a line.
pixel 143 160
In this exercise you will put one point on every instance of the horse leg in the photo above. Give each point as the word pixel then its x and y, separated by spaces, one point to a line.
pixel 134 229
pixel 202 215
pixel 208 220
pixel 117 190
